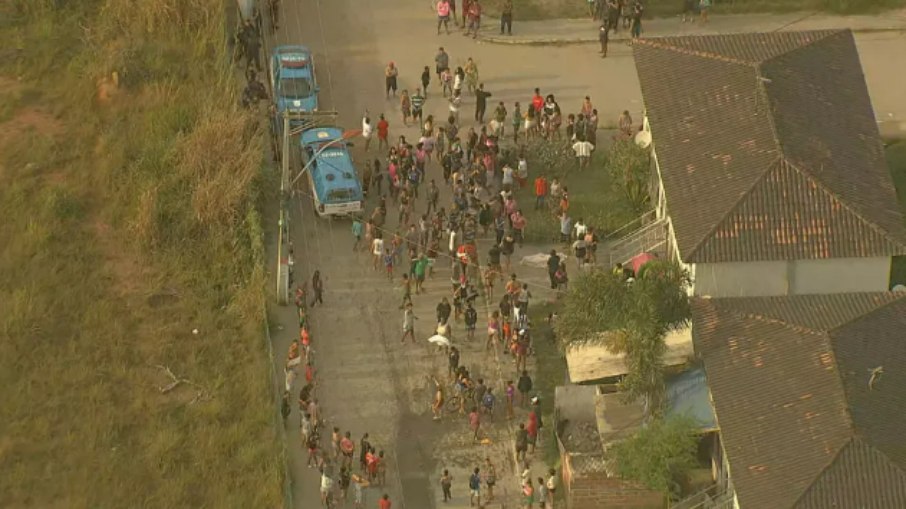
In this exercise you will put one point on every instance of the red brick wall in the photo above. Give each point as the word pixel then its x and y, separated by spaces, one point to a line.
pixel 597 491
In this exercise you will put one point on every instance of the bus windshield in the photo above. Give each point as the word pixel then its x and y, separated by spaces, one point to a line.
pixel 295 88
pixel 335 195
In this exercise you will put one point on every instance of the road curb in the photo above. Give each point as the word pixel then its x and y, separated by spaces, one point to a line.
pixel 508 40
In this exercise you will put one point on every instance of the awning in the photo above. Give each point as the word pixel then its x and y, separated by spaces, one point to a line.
pixel 639 260
pixel 688 394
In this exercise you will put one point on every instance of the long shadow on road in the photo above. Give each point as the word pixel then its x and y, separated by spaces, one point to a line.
pixel 414 462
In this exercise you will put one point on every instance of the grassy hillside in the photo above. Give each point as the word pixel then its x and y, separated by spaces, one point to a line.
pixel 128 220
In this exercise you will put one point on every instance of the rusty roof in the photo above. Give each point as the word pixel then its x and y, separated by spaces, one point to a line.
pixel 790 381
pixel 768 147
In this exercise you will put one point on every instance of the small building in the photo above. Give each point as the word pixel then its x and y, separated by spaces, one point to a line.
pixel 809 393
pixel 587 479
pixel 591 418
pixel 768 168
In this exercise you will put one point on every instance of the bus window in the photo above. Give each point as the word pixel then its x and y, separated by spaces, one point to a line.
pixel 341 195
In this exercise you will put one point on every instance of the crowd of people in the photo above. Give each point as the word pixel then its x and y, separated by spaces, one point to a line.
pixel 409 234
pixel 482 178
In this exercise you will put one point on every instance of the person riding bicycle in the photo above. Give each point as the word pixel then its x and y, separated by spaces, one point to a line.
pixel 464 387
pixel 464 382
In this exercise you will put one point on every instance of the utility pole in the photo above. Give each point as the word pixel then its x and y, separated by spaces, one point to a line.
pixel 283 255
pixel 284 246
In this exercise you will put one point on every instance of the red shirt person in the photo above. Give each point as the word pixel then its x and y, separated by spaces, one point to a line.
pixel 383 130
pixel 532 430
pixel 538 102
pixel 540 191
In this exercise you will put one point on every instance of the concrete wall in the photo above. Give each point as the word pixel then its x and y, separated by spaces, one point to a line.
pixel 840 275
pixel 740 279
pixel 597 491
pixel 797 277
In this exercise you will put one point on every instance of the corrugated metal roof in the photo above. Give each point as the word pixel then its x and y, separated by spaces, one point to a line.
pixel 593 362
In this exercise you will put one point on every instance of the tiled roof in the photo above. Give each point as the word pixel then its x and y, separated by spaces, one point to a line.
pixel 768 147
pixel 789 378
pixel 860 477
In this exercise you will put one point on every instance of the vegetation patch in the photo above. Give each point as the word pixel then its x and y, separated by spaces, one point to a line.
pixel 594 193
pixel 896 160
pixel 131 272
pixel 659 455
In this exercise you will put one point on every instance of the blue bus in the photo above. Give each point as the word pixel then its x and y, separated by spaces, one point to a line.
pixel 332 177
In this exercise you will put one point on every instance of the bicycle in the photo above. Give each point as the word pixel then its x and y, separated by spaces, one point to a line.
pixel 329 501
pixel 460 398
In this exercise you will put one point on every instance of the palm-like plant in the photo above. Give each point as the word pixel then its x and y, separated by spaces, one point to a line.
pixel 630 318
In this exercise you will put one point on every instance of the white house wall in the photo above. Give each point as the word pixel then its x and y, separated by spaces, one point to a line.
pixel 797 277
pixel 840 275
pixel 740 279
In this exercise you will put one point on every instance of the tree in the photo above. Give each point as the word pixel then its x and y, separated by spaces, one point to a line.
pixel 630 165
pixel 630 318
pixel 659 455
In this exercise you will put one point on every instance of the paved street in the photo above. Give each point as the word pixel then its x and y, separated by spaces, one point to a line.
pixel 368 382
pixel 881 39
pixel 577 31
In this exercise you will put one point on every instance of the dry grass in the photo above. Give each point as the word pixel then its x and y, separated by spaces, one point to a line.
pixel 126 225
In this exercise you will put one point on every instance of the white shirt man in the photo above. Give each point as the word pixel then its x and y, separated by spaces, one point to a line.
pixel 377 247
pixel 452 245
pixel 583 149
pixel 326 484
pixel 580 229
pixel 455 102
pixel 507 175
pixel 367 130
